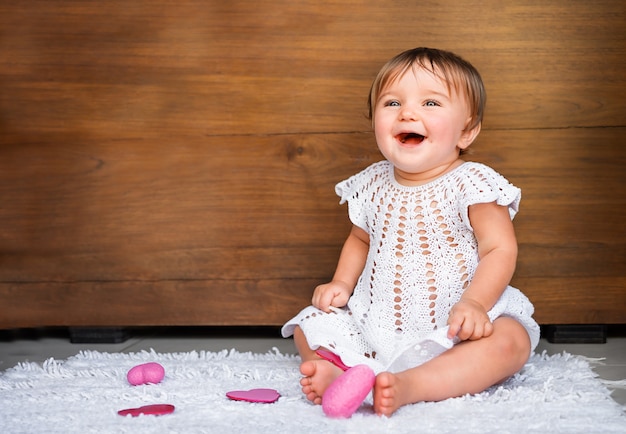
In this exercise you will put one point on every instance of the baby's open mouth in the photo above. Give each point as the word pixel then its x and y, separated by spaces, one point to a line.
pixel 411 138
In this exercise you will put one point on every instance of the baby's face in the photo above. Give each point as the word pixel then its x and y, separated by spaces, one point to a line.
pixel 420 125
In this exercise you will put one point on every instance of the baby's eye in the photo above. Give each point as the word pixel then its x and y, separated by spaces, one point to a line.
pixel 392 103
pixel 431 103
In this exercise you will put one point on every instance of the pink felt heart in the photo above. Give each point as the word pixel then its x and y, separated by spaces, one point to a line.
pixel 151 372
pixel 346 394
pixel 153 409
pixel 332 358
pixel 265 396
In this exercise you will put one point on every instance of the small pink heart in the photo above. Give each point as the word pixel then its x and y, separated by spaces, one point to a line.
pixel 145 373
pixel 265 396
pixel 153 409
pixel 332 358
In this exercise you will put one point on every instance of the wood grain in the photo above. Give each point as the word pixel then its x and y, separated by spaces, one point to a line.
pixel 174 163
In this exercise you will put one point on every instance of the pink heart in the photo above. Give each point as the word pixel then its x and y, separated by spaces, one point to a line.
pixel 265 396
pixel 346 394
pixel 332 358
pixel 145 373
pixel 153 409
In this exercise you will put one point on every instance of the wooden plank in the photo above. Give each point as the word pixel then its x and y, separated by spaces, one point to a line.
pixel 168 303
pixel 142 264
pixel 576 300
pixel 572 258
pixel 160 68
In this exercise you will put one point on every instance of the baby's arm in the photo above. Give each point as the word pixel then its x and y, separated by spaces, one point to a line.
pixel 497 251
pixel 351 262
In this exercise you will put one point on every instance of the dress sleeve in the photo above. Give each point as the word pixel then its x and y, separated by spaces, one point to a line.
pixel 482 184
pixel 351 191
pixel 357 191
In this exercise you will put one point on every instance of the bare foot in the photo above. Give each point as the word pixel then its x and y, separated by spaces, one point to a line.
pixel 318 375
pixel 389 394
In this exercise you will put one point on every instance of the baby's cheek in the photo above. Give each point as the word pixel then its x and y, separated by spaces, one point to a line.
pixel 146 373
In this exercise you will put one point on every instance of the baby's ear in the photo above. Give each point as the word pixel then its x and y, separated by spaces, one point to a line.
pixel 468 136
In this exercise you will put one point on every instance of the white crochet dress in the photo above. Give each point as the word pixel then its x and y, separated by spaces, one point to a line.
pixel 422 256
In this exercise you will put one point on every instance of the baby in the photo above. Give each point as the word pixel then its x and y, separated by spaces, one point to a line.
pixel 421 291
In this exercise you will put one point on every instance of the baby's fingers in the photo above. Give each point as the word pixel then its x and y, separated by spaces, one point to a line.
pixel 474 330
pixel 323 302
pixel 318 300
pixel 468 330
pixel 455 322
pixel 488 329
pixel 326 300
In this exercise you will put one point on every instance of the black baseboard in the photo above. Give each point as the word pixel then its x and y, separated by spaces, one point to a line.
pixel 575 333
pixel 98 335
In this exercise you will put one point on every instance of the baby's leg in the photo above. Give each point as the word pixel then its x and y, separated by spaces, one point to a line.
pixel 469 367
pixel 318 373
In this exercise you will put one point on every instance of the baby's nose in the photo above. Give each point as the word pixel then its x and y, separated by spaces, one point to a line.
pixel 409 113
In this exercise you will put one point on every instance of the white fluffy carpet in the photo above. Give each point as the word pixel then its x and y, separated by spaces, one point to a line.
pixel 552 394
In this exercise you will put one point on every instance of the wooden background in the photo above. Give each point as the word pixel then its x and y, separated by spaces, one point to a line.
pixel 174 162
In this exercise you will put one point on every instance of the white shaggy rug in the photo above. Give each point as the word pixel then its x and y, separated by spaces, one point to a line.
pixel 552 394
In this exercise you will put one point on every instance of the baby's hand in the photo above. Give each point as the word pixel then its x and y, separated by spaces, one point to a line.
pixel 334 293
pixel 469 320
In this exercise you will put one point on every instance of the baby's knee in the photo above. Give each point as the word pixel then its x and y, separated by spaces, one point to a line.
pixel 512 340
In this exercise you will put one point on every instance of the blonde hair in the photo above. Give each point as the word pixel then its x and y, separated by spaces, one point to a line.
pixel 457 73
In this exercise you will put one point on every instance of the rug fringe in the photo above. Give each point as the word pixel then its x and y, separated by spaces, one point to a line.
pixel 614 384
pixel 593 360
